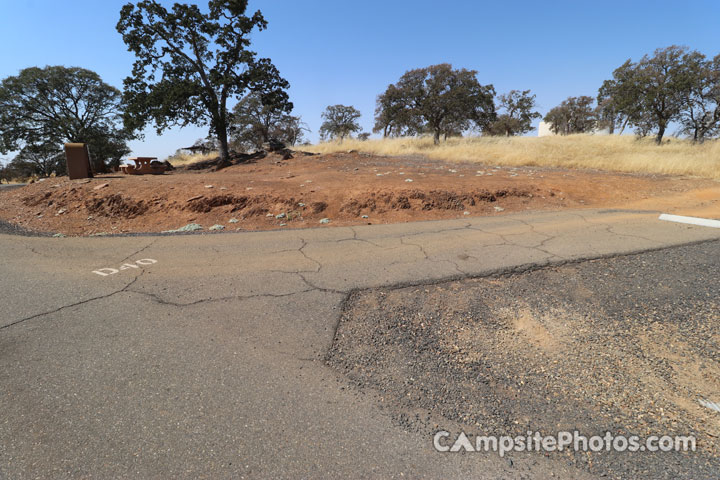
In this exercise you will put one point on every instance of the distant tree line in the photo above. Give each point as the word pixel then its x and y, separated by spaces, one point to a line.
pixel 444 102
pixel 674 85
pixel 195 67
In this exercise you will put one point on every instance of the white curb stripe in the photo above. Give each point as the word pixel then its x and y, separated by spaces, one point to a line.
pixel 703 222
pixel 710 405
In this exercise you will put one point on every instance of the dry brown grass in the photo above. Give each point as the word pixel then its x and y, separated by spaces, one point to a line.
pixel 183 159
pixel 612 153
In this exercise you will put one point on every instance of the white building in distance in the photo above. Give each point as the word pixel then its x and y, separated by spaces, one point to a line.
pixel 544 130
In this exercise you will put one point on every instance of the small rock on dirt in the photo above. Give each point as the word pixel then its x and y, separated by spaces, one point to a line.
pixel 215 228
pixel 233 220
pixel 325 220
pixel 101 186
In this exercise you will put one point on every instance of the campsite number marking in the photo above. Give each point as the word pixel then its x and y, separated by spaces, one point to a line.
pixel 104 272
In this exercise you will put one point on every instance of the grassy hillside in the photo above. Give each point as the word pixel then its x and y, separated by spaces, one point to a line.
pixel 614 153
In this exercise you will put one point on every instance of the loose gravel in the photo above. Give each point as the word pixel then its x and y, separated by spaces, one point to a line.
pixel 629 345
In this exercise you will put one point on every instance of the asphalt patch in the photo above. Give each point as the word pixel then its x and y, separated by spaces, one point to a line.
pixel 628 345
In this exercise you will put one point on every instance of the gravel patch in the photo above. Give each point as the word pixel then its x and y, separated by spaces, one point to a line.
pixel 628 345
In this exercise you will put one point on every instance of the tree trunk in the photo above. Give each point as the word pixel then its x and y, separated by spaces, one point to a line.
pixel 624 125
pixel 660 134
pixel 224 150
pixel 221 128
pixel 436 137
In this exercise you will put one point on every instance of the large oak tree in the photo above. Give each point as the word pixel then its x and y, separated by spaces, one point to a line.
pixel 42 108
pixel 650 93
pixel 436 99
pixel 191 62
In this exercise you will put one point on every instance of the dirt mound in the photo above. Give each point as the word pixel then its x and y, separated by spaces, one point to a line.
pixel 381 202
pixel 246 205
pixel 60 199
pixel 269 190
pixel 116 206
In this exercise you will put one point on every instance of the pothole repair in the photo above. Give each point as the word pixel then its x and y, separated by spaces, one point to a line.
pixel 558 349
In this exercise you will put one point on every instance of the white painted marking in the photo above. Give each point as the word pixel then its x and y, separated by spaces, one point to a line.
pixel 104 272
pixel 710 405
pixel 703 222
pixel 146 261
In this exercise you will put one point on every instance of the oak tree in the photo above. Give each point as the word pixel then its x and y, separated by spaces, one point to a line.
pixel 42 108
pixel 518 112
pixel 339 121
pixel 191 63
pixel 700 112
pixel 573 115
pixel 439 100
pixel 255 124
pixel 650 93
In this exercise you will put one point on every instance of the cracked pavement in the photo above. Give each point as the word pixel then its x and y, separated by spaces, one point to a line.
pixel 209 363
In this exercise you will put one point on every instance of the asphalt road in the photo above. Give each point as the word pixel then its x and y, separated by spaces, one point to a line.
pixel 11 186
pixel 204 356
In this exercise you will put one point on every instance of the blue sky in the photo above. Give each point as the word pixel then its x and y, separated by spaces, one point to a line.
pixel 348 52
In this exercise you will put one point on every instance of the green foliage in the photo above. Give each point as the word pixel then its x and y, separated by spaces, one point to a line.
pixel 393 115
pixel 41 160
pixel 339 121
pixel 43 108
pixel 518 113
pixel 436 99
pixel 673 85
pixel 609 113
pixel 190 63
pixel 573 115
pixel 700 115
pixel 254 124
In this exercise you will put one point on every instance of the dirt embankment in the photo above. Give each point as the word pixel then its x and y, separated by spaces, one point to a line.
pixel 280 192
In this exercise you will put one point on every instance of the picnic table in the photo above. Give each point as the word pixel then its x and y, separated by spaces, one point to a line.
pixel 144 165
